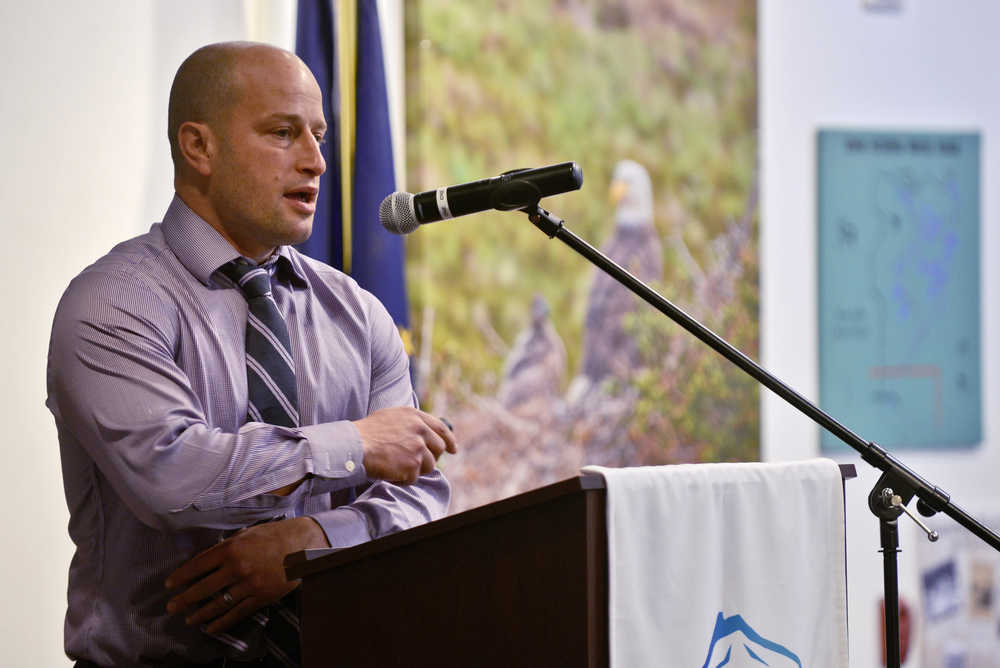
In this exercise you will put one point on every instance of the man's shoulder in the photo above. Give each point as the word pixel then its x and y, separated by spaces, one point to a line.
pixel 131 253
pixel 343 297
pixel 132 264
pixel 322 276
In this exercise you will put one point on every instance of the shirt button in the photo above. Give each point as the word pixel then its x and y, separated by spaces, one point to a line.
pixel 349 465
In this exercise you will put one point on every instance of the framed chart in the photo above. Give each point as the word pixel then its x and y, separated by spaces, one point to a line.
pixel 899 295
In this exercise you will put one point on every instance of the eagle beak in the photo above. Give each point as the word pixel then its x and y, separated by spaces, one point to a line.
pixel 617 191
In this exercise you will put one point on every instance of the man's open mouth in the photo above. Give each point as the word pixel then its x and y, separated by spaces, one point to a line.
pixel 305 195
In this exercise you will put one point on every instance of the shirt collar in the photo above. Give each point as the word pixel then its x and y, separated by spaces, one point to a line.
pixel 289 264
pixel 202 250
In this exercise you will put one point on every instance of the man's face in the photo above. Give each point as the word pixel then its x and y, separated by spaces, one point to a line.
pixel 265 176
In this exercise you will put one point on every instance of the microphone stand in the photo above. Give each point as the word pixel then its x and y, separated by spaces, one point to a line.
pixel 895 488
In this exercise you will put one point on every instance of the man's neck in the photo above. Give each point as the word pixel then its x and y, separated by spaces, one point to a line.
pixel 197 202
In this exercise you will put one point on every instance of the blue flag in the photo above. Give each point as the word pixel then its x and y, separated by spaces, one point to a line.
pixel 378 256
pixel 351 238
pixel 314 44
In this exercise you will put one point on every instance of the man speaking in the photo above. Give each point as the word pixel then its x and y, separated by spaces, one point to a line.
pixel 222 400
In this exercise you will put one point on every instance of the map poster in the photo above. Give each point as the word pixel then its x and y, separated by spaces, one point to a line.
pixel 898 247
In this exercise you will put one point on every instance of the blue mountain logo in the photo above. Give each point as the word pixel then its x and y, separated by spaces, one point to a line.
pixel 735 643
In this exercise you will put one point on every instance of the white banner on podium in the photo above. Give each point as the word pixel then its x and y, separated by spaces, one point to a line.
pixel 727 565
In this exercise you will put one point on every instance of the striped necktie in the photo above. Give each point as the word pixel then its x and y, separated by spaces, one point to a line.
pixel 271 393
pixel 271 398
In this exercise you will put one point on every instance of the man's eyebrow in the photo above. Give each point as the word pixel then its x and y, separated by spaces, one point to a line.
pixel 292 118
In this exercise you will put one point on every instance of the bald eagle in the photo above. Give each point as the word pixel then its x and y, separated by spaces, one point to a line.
pixel 607 348
pixel 535 367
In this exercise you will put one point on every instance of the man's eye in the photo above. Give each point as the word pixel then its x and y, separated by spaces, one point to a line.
pixel 283 133
pixel 320 139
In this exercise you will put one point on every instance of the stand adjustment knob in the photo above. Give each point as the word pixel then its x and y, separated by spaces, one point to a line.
pixel 893 500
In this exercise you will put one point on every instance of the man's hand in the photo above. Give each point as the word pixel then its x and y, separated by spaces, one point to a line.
pixel 231 580
pixel 403 443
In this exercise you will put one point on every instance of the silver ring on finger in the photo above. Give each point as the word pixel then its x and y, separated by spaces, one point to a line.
pixel 228 599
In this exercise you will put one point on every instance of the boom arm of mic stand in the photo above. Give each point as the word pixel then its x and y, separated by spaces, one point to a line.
pixel 903 481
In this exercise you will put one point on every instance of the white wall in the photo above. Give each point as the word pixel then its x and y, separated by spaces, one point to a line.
pixel 83 107
pixel 823 64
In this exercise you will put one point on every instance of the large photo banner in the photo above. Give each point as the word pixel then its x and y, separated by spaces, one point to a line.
pixel 542 363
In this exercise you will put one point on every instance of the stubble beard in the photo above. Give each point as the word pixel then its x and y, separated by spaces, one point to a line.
pixel 251 220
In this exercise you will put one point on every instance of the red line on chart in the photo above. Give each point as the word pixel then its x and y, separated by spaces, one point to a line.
pixel 928 371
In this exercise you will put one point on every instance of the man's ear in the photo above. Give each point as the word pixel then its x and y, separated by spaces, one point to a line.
pixel 198 146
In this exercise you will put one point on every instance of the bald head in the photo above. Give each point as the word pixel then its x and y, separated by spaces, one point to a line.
pixel 208 84
pixel 247 126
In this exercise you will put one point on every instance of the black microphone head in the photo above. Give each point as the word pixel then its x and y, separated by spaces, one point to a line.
pixel 396 213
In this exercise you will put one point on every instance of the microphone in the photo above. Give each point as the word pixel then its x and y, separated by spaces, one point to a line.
pixel 401 212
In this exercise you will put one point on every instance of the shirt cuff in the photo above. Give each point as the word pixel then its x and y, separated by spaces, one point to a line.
pixel 336 453
pixel 343 526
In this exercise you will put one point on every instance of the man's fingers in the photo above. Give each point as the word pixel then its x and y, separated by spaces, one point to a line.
pixel 235 597
pixel 401 443
pixel 195 567
pixel 200 590
pixel 450 444
pixel 443 430
pixel 427 463
pixel 434 443
pixel 215 607
pixel 241 610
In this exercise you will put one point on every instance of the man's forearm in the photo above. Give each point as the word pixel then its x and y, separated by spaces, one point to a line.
pixel 385 508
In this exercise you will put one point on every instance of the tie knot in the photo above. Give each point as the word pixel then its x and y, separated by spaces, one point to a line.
pixel 253 280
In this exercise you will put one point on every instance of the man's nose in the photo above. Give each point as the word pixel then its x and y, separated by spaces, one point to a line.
pixel 311 161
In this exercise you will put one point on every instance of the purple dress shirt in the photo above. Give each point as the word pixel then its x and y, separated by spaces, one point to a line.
pixel 147 384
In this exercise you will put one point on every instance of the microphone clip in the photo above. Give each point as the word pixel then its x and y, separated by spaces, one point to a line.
pixel 515 194
pixel 548 223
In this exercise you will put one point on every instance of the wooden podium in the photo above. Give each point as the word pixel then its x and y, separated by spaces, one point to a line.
pixel 519 582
